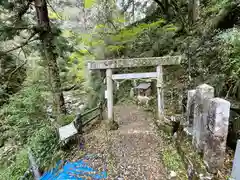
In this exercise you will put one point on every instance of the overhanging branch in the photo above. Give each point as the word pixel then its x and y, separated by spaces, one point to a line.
pixel 10 28
pixel 14 71
pixel 22 45
pixel 73 87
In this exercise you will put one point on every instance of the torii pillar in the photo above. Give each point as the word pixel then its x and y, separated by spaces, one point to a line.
pixel 109 93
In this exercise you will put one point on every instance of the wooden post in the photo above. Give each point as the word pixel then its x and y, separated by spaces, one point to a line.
pixel 160 92
pixel 101 110
pixel 109 93
pixel 78 123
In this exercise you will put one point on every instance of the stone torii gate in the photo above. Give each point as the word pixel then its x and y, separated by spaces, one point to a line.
pixel 134 62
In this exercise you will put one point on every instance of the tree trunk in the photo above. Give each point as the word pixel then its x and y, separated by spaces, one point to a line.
pixel 193 10
pixel 50 56
pixel 166 7
pixel 133 10
pixel 196 6
pixel 2 69
pixel 190 10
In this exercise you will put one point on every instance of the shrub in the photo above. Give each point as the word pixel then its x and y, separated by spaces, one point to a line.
pixel 17 168
pixel 24 124
pixel 24 114
pixel 44 144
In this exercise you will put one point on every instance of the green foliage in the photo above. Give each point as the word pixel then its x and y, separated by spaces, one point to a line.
pixel 142 40
pixel 25 113
pixel 89 3
pixel 231 66
pixel 172 160
pixel 24 124
pixel 215 6
pixel 128 35
pixel 114 48
pixel 67 33
pixel 217 63
pixel 17 168
pixel 44 144
pixel 55 15
pixel 95 90
pixel 77 60
pixel 169 153
pixel 10 80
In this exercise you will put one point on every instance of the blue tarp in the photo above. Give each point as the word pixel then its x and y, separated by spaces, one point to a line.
pixel 73 171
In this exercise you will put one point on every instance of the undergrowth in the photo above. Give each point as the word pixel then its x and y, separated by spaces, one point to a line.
pixel 24 125
pixel 170 156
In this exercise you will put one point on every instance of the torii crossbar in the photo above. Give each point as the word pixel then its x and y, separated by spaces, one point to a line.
pixel 134 62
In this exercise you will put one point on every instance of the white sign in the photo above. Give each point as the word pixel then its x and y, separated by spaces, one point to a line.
pixel 105 94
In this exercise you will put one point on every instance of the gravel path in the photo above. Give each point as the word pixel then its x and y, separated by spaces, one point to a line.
pixel 131 152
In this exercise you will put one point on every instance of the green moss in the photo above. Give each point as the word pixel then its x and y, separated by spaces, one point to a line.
pixel 66 119
pixel 193 156
pixel 172 159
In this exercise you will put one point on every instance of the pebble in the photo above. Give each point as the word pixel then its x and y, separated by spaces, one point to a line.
pixel 120 178
pixel 173 174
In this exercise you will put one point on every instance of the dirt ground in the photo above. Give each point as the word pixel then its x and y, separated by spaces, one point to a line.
pixel 131 152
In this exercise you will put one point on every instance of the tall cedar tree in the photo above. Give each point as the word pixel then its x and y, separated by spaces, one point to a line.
pixel 48 52
pixel 47 40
